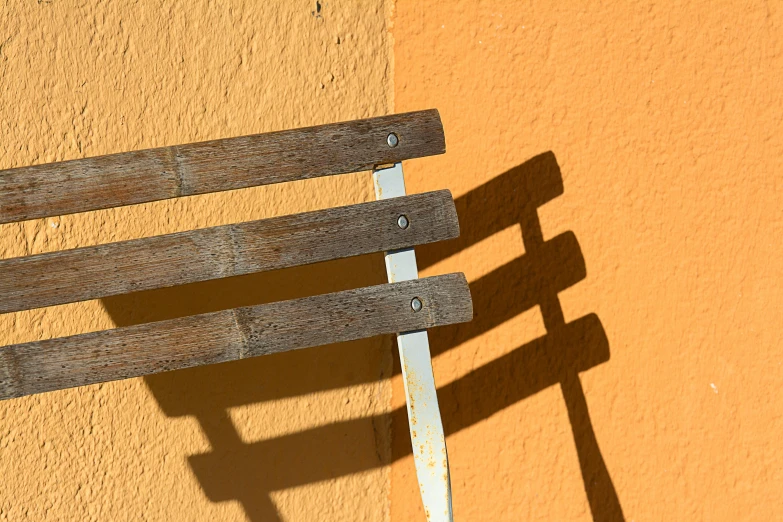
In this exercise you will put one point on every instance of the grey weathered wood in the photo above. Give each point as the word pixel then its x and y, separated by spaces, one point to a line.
pixel 184 170
pixel 210 253
pixel 231 334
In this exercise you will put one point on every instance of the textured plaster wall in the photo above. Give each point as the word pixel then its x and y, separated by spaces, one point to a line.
pixel 644 140
pixel 617 172
pixel 229 442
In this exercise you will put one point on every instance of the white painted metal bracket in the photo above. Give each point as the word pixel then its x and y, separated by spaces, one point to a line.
pixel 427 437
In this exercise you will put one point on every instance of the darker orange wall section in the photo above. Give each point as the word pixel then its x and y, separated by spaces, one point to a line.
pixel 617 170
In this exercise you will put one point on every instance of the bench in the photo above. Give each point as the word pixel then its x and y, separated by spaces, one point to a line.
pixel 393 224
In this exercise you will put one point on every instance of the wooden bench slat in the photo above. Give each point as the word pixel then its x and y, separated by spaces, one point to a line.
pixel 230 250
pixel 184 170
pixel 231 334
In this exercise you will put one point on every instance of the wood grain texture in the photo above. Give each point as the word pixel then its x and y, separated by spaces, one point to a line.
pixel 211 253
pixel 212 166
pixel 231 334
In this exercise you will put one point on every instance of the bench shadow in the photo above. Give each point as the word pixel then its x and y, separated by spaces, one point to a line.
pixel 248 472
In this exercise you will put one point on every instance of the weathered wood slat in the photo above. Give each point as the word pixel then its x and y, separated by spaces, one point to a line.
pixel 184 170
pixel 231 334
pixel 211 253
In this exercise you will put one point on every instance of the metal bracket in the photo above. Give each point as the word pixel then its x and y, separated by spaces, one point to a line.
pixel 427 436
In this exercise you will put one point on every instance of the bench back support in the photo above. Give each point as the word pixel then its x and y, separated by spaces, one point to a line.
pixel 427 436
pixel 393 224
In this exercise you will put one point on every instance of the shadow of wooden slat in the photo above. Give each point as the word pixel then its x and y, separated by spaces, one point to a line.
pixel 248 472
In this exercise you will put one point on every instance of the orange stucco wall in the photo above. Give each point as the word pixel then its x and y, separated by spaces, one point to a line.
pixel 617 169
pixel 619 174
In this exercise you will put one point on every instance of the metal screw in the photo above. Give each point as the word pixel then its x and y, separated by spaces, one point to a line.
pixel 403 222
pixel 392 140
pixel 416 304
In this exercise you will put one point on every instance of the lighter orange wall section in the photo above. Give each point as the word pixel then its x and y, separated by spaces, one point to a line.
pixel 288 438
pixel 663 121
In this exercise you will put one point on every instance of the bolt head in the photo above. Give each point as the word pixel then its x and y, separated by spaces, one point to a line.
pixel 392 140
pixel 416 304
pixel 403 222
